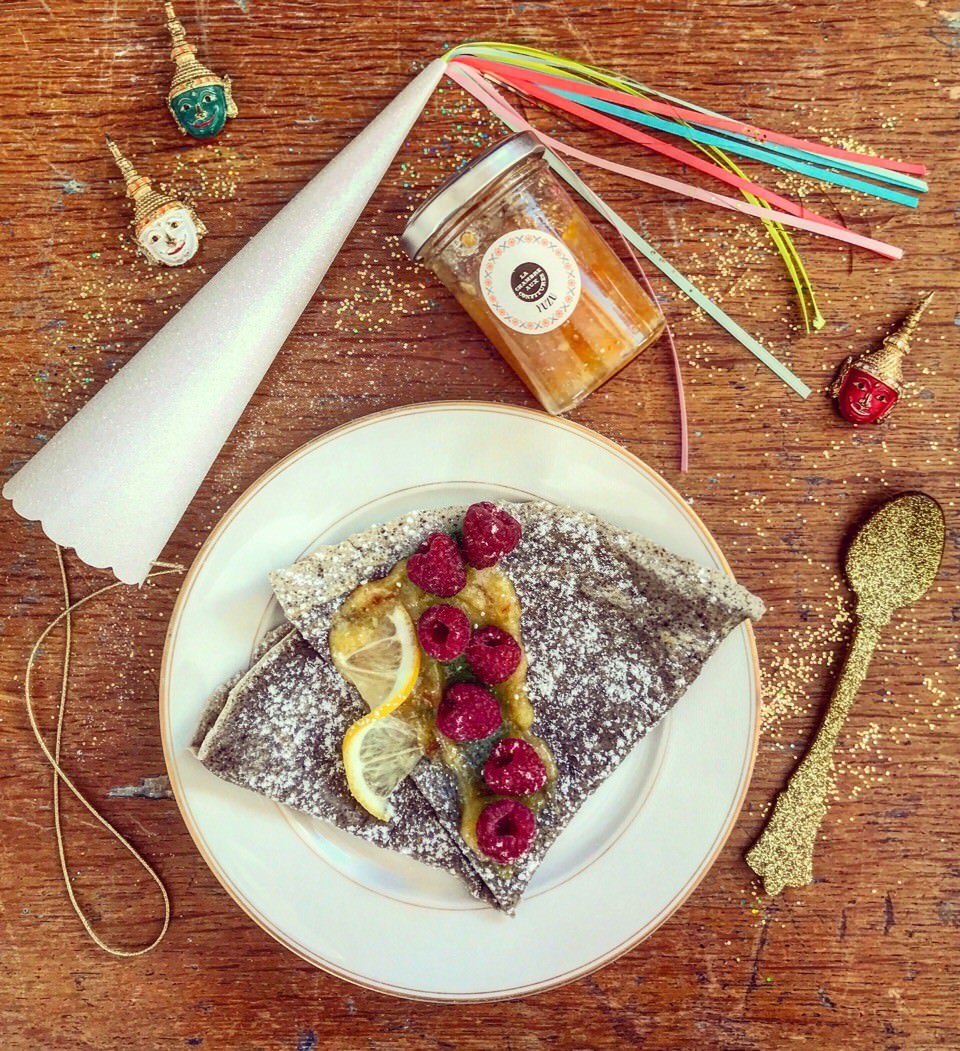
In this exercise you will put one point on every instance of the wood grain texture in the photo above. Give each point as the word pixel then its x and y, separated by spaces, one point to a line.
pixel 867 956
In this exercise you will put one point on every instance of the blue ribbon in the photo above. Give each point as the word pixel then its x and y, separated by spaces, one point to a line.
pixel 734 145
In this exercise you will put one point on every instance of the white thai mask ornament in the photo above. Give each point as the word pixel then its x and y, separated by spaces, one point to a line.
pixel 166 230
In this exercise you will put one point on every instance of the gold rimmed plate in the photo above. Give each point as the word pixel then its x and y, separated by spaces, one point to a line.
pixel 626 862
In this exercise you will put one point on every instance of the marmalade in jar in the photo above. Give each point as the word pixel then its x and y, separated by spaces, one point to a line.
pixel 534 273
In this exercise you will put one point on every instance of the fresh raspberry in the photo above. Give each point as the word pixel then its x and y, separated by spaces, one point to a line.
pixel 493 654
pixel 443 631
pixel 489 533
pixel 505 830
pixel 468 712
pixel 514 768
pixel 437 566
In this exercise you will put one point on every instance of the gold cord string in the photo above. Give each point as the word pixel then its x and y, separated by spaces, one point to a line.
pixel 58 772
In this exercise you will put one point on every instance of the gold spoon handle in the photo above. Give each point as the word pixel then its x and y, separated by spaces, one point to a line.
pixel 783 855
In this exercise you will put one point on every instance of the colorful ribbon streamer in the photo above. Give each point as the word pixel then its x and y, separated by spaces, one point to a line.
pixel 528 59
pixel 799 217
pixel 594 95
pixel 734 133
pixel 787 207
pixel 474 83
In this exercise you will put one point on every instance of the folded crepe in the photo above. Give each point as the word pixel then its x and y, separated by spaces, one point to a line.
pixel 278 729
pixel 615 629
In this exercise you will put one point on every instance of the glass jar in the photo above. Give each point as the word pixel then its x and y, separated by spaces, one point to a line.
pixel 533 272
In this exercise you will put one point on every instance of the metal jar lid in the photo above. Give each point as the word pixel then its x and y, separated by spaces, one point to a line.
pixel 461 188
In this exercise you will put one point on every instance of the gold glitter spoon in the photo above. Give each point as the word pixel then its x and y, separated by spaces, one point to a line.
pixel 891 562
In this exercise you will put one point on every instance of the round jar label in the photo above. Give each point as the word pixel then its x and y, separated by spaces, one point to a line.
pixel 530 280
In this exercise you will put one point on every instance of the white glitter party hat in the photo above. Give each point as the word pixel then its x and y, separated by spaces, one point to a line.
pixel 114 482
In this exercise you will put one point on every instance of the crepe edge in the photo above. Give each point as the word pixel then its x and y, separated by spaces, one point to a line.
pixel 308 582
pixel 222 699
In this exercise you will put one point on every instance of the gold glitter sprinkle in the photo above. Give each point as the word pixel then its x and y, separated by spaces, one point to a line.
pixel 891 563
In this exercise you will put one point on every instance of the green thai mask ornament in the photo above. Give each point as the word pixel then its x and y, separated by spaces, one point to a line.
pixel 199 100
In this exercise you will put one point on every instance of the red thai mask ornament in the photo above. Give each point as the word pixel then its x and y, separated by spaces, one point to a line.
pixel 862 397
pixel 867 388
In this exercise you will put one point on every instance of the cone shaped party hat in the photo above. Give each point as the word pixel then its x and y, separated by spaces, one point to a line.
pixel 114 482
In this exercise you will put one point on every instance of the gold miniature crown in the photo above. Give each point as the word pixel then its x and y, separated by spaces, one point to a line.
pixel 886 362
pixel 190 72
pixel 148 203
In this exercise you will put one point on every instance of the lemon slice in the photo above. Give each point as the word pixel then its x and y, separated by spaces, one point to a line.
pixel 380 656
pixel 379 751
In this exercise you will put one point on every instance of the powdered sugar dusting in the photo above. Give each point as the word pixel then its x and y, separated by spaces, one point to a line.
pixel 615 629
pixel 280 734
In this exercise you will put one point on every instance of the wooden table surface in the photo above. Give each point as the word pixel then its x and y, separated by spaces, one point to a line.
pixel 867 956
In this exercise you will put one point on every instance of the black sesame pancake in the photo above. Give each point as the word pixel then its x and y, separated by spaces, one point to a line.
pixel 277 730
pixel 615 630
pixel 614 627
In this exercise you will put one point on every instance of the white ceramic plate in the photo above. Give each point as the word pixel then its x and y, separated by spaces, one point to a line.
pixel 638 847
